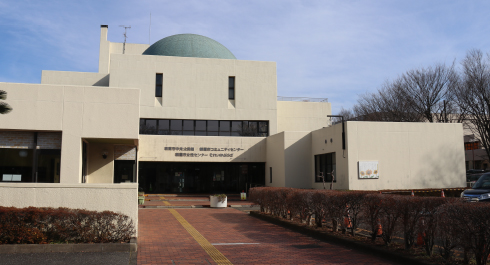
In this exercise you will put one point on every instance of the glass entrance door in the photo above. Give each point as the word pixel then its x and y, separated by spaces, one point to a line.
pixel 196 177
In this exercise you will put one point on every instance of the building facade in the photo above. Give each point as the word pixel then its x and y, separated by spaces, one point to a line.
pixel 185 116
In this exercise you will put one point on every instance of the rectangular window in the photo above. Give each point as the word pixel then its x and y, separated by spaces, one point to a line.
pixel 158 85
pixel 471 145
pixel 203 127
pixel 213 127
pixel 231 87
pixel 236 128
pixel 188 127
pixel 324 166
pixel 270 174
pixel 163 127
pixel 148 127
pixel 176 127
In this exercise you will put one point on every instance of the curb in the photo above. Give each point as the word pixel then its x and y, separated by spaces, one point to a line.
pixel 170 207
pixel 132 246
pixel 188 206
pixel 326 237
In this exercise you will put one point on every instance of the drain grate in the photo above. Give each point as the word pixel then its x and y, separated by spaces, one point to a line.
pixel 306 246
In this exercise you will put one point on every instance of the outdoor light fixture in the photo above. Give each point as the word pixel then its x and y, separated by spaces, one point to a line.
pixel 23 153
pixel 104 154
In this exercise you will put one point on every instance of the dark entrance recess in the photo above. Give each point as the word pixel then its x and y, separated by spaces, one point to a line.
pixel 199 177
pixel 124 171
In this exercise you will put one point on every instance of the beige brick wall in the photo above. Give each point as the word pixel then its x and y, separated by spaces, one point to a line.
pixel 124 152
pixel 49 140
pixel 16 139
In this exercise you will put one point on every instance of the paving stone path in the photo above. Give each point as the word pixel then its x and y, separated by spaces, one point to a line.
pixel 230 236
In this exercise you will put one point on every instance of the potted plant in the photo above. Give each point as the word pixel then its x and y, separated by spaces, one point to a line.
pixel 218 200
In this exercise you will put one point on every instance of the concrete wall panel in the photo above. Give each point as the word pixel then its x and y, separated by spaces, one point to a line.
pixel 276 161
pixel 298 159
pixel 410 155
pixel 121 198
pixel 302 116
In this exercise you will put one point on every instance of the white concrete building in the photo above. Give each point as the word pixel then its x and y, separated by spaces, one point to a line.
pixel 184 115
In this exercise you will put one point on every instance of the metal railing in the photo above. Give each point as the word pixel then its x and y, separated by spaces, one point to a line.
pixel 302 99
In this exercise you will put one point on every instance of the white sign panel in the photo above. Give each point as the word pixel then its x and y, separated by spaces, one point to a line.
pixel 368 170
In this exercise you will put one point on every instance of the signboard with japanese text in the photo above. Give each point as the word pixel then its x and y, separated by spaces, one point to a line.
pixel 201 149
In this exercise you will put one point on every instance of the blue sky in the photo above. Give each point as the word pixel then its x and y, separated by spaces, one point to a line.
pixel 328 49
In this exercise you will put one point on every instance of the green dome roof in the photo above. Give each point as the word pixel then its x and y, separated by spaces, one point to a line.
pixel 189 45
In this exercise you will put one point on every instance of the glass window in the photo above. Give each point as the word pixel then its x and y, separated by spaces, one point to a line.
pixel 158 85
pixel 164 127
pixel 252 128
pixel 151 123
pixel 176 125
pixel 149 127
pixel 16 165
pixel 212 126
pixel 200 125
pixel 324 166
pixel 263 128
pixel 188 125
pixel 48 165
pixel 224 126
pixel 231 87
pixel 236 126
pixel 270 174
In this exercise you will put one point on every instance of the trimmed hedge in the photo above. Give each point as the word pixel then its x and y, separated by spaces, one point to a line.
pixel 62 225
pixel 450 222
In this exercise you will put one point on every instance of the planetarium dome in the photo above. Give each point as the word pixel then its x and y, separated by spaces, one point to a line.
pixel 189 45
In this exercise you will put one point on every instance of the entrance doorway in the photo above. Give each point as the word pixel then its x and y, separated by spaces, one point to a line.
pixel 198 177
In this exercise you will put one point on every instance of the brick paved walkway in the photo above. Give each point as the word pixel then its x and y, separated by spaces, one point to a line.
pixel 164 200
pixel 242 239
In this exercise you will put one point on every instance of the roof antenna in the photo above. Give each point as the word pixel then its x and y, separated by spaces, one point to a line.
pixel 149 34
pixel 125 28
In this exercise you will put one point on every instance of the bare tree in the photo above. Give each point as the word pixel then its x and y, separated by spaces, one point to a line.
pixel 426 88
pixel 346 113
pixel 388 104
pixel 472 94
pixel 418 95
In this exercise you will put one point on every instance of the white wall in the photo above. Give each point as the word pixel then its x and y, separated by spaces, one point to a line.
pixel 302 116
pixel 120 198
pixel 100 170
pixel 410 155
pixel 78 111
pixel 275 159
pixel 297 159
pixel 74 78
pixel 329 140
pixel 107 48
pixel 197 88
